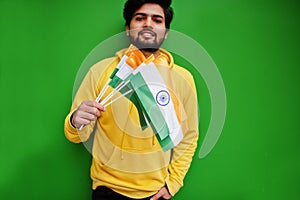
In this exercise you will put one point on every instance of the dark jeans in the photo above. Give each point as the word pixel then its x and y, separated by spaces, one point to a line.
pixel 104 193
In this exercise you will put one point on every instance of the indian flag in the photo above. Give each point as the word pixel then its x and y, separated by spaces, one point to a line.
pixel 157 104
pixel 129 62
pixel 132 59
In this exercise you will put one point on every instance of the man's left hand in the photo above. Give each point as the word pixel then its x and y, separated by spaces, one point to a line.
pixel 163 192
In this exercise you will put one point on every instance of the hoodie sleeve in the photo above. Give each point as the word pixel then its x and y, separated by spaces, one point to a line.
pixel 88 90
pixel 184 151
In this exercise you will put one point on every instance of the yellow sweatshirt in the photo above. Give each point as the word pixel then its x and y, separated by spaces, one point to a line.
pixel 126 158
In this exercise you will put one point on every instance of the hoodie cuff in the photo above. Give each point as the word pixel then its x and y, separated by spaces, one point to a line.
pixel 70 131
pixel 173 185
pixel 68 124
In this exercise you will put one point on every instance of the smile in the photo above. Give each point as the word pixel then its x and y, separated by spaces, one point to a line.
pixel 147 34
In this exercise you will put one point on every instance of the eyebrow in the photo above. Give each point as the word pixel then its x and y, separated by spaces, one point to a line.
pixel 144 14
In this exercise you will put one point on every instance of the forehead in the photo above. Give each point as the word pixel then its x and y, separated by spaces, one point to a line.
pixel 150 9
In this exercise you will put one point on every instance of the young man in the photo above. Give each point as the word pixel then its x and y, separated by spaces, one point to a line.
pixel 128 161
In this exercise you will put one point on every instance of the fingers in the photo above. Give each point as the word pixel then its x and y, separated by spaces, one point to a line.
pixel 163 192
pixel 157 196
pixel 91 104
pixel 95 105
pixel 87 112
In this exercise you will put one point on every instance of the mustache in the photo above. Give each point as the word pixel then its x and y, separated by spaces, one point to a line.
pixel 147 30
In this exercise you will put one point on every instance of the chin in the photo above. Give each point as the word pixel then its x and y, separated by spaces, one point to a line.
pixel 149 49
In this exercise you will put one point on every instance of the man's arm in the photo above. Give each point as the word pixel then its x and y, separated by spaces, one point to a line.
pixel 84 110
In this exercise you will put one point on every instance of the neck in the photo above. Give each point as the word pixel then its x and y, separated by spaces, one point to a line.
pixel 148 53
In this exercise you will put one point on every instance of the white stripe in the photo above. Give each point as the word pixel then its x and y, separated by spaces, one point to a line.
pixel 124 71
pixel 122 61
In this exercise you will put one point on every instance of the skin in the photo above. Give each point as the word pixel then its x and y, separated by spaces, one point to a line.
pixel 87 112
pixel 148 27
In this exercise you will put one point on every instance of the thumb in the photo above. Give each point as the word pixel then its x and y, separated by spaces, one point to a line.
pixel 157 195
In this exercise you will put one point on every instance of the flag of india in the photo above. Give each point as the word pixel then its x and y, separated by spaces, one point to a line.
pixel 126 66
pixel 157 104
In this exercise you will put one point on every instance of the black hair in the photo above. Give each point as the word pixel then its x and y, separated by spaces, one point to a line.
pixel 132 5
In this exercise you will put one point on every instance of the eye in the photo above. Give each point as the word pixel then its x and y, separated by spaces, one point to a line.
pixel 139 18
pixel 158 21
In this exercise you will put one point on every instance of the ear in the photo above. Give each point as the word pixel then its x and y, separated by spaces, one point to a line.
pixel 166 34
pixel 127 30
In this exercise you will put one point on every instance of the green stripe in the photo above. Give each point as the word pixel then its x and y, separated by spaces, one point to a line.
pixel 115 81
pixel 166 144
pixel 135 100
pixel 114 73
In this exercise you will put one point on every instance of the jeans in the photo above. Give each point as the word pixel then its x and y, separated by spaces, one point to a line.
pixel 105 193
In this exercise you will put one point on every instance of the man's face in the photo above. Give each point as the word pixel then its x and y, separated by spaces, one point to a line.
pixel 147 29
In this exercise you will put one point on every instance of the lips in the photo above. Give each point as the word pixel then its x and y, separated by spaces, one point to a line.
pixel 147 33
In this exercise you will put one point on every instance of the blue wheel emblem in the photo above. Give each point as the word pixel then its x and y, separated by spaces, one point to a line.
pixel 163 98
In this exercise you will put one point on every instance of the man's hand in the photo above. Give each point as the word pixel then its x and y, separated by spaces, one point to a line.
pixel 87 112
pixel 163 192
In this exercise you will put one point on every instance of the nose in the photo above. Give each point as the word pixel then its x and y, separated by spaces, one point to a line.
pixel 148 22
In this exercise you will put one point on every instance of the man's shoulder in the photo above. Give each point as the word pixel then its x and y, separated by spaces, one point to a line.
pixel 104 64
pixel 107 63
pixel 182 71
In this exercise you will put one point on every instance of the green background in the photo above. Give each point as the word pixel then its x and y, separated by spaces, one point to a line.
pixel 255 45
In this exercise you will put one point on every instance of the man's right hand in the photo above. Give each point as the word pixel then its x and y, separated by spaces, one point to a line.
pixel 87 112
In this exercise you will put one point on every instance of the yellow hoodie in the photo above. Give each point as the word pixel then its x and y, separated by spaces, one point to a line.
pixel 126 158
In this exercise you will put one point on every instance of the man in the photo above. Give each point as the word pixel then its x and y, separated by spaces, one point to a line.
pixel 128 161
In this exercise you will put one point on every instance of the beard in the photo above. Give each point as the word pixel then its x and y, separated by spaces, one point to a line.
pixel 146 44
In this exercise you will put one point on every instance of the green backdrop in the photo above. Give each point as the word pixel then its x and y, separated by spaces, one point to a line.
pixel 255 45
